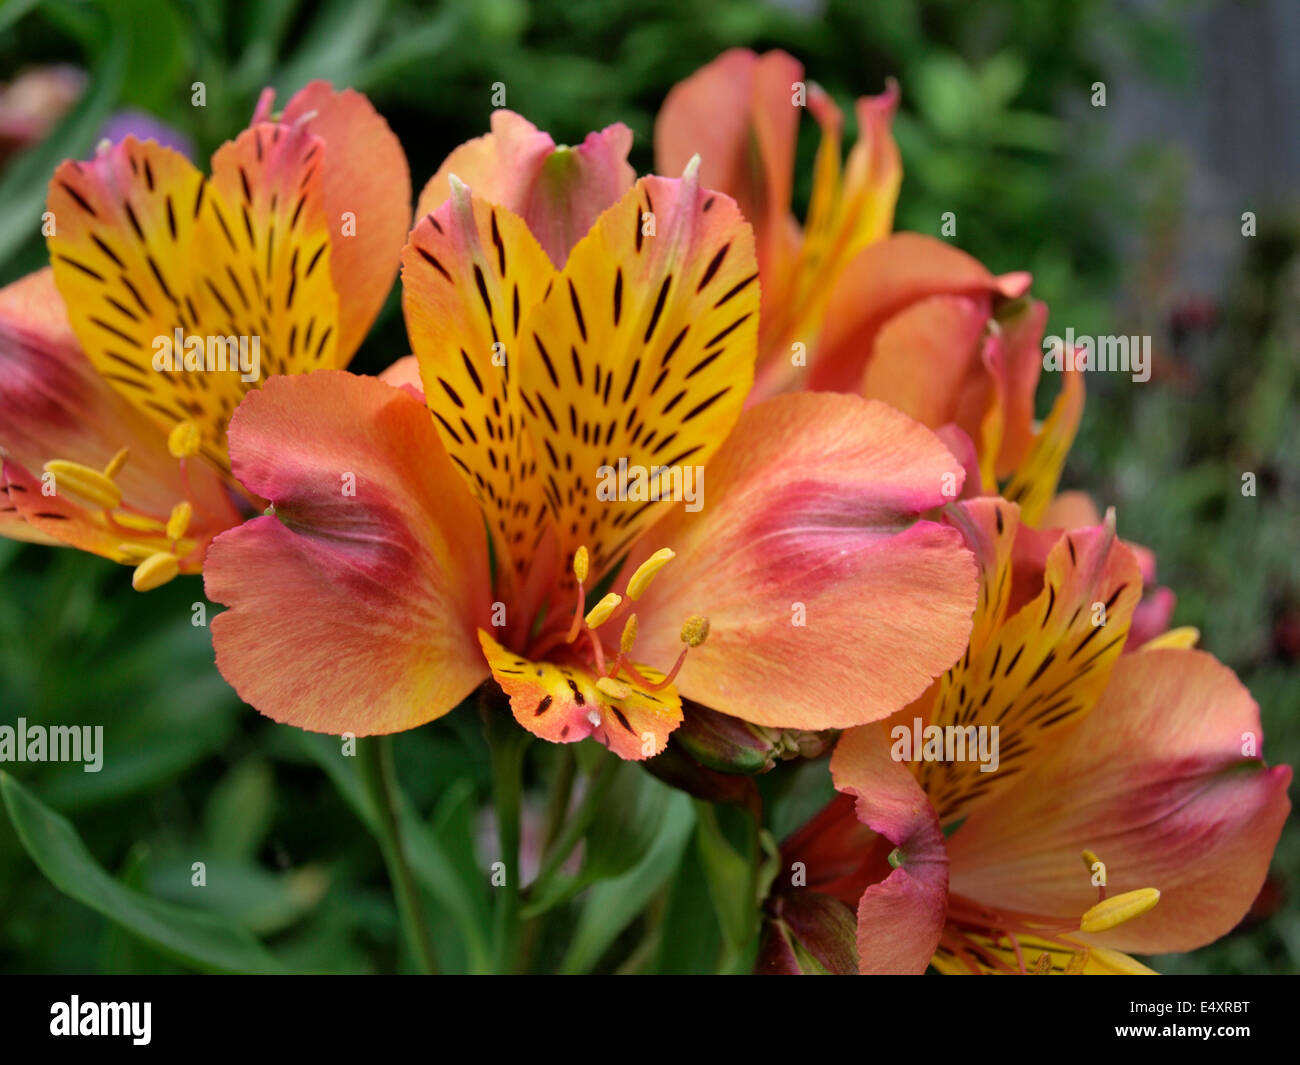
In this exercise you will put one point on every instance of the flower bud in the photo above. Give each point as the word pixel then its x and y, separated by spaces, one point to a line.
pixel 730 745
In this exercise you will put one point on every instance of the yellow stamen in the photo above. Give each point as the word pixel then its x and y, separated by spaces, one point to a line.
pixel 1043 964
pixel 581 562
pixel 142 523
pixel 615 689
pixel 695 630
pixel 1115 911
pixel 82 481
pixel 179 521
pixel 115 464
pixel 184 439
pixel 154 572
pixel 629 636
pixel 646 571
pixel 600 613
pixel 135 552
pixel 1078 963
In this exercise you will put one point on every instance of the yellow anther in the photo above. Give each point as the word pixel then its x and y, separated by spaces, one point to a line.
pixel 154 572
pixel 184 439
pixel 1115 911
pixel 695 631
pixel 134 552
pixel 1043 964
pixel 179 521
pixel 646 571
pixel 1089 860
pixel 580 564
pixel 115 464
pixel 629 636
pixel 1078 963
pixel 90 485
pixel 615 689
pixel 599 614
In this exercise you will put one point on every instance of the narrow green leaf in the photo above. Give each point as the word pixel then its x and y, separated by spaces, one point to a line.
pixel 200 940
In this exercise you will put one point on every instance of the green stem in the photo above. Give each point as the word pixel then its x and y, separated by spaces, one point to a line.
pixel 379 782
pixel 557 805
pixel 576 827
pixel 507 743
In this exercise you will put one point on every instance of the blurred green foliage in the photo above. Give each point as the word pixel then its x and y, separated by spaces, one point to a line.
pixel 280 818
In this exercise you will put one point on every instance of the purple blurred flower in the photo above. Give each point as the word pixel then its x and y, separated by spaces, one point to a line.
pixel 143 126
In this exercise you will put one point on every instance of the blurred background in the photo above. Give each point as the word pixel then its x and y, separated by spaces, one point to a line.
pixel 1129 216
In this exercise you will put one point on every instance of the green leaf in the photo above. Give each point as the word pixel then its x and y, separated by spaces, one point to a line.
pixel 732 877
pixel 200 940
pixel 334 45
pixel 689 938
pixel 238 812
pixel 156 56
pixel 613 904
pixel 264 902
pixel 436 872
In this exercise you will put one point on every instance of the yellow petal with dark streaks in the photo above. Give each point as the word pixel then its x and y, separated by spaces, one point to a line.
pixel 144 246
pixel 1042 671
pixel 470 273
pixel 642 351
pixel 1033 485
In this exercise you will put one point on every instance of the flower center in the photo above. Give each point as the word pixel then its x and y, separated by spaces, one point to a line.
pixel 611 666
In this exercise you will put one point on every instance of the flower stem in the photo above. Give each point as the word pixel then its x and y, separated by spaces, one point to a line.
pixel 507 743
pixel 576 826
pixel 379 781
pixel 557 805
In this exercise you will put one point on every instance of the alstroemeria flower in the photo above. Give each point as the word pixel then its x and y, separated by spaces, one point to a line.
pixel 847 307
pixel 170 295
pixel 794 587
pixel 1129 812
pixel 740 114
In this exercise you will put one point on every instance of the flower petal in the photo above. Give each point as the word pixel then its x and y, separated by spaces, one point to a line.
pixel 1041 673
pixel 348 612
pixel 901 918
pixel 1155 783
pixel 145 247
pixel 927 362
pixel 364 174
pixel 470 274
pixel 558 191
pixel 54 405
pixel 738 114
pixel 1033 485
pixel 562 704
pixel 829 604
pixel 989 527
pixel 879 282
pixel 1020 337
pixel 405 373
pixel 643 352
